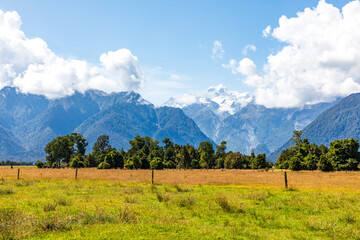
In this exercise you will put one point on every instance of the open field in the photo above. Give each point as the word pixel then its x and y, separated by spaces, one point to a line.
pixel 344 181
pixel 197 204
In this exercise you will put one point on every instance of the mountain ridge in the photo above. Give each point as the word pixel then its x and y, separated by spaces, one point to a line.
pixel 31 126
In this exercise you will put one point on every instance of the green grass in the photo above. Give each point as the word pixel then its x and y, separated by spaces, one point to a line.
pixel 60 209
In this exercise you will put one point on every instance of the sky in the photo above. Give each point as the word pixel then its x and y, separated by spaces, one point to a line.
pixel 285 53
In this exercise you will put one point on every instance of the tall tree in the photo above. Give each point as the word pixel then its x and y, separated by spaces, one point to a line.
pixel 206 151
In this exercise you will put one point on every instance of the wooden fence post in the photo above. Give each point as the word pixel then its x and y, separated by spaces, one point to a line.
pixel 18 177
pixel 286 182
pixel 76 171
pixel 152 176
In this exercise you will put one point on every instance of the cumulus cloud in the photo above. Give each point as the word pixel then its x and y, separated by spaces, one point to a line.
pixel 266 32
pixel 247 48
pixel 32 67
pixel 217 51
pixel 246 66
pixel 319 62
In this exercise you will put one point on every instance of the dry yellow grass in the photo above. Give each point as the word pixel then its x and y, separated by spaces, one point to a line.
pixel 347 181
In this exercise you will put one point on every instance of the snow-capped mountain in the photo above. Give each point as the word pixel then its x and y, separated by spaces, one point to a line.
pixel 218 99
pixel 235 117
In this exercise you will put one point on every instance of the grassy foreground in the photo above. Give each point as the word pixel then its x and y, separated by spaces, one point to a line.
pixel 65 209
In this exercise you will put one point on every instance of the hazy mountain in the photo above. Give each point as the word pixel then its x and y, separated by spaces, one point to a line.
pixel 28 122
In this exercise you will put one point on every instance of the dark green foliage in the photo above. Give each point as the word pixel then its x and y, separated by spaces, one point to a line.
pixel 64 148
pixel 259 161
pixel 156 163
pixel 343 155
pixel 77 162
pixel 236 161
pixel 39 164
pixel 324 164
pixel 145 153
pixel 207 158
pixel 115 159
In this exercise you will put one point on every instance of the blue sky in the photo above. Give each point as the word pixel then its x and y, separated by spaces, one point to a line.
pixel 169 38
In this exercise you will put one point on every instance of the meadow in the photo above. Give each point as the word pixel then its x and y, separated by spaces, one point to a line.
pixel 191 204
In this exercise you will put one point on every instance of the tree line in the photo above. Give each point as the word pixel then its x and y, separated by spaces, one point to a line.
pixel 14 163
pixel 145 153
pixel 342 155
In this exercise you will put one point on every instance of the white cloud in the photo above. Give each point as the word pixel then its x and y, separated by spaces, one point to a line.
pixel 174 77
pixel 31 66
pixel 186 99
pixel 266 32
pixel 246 66
pixel 247 48
pixel 217 51
pixel 320 61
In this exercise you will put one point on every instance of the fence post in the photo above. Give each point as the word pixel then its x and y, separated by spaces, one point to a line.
pixel 76 173
pixel 286 182
pixel 18 177
pixel 152 176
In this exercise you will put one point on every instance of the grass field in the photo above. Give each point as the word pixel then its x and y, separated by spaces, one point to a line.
pixel 196 204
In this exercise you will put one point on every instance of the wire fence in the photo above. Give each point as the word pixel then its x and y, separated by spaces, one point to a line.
pixel 347 181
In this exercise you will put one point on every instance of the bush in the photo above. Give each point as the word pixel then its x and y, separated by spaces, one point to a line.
pixel 39 164
pixel 104 165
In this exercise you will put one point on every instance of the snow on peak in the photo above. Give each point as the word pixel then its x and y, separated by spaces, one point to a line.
pixel 218 98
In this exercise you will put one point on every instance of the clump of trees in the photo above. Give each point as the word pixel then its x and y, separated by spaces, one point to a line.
pixel 145 153
pixel 342 155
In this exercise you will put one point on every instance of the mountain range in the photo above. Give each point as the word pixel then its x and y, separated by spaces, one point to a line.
pixel 28 122
pixel 226 115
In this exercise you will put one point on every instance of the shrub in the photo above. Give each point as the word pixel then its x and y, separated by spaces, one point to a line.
pixel 162 197
pixel 39 164
pixel 224 204
pixel 103 165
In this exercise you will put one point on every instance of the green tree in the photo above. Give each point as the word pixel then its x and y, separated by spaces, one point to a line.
pixel 220 154
pixel 156 163
pixel 259 162
pixel 59 149
pixel 295 162
pixel 114 159
pixel 324 164
pixel 206 151
pixel 101 148
pixel 39 164
pixel 77 162
pixel 344 155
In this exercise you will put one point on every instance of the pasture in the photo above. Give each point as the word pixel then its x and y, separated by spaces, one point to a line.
pixel 190 204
